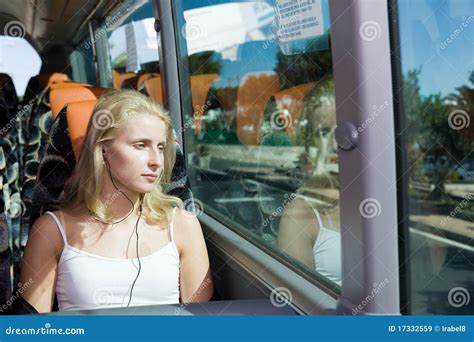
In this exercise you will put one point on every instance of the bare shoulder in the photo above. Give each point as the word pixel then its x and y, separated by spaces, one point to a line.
pixel 186 228
pixel 185 222
pixel 299 208
pixel 298 214
pixel 45 231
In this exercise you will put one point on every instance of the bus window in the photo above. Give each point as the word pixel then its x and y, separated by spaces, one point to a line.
pixel 18 59
pixel 82 63
pixel 438 94
pixel 259 124
pixel 133 48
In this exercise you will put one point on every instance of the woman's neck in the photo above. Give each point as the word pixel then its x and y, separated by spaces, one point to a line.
pixel 119 201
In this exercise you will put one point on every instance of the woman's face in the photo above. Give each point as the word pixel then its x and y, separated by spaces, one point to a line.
pixel 135 156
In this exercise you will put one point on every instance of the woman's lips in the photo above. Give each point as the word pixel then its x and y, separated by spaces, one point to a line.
pixel 151 178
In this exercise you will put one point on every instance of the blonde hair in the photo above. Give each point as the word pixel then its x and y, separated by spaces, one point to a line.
pixel 111 115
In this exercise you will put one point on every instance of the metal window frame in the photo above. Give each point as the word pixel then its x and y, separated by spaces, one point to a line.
pixel 368 183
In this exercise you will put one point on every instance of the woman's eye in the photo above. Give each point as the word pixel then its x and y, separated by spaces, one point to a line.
pixel 140 145
pixel 161 148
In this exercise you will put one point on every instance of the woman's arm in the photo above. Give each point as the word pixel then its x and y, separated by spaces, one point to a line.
pixel 40 263
pixel 298 231
pixel 195 273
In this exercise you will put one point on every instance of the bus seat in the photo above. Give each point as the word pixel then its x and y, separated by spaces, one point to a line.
pixel 153 88
pixel 200 85
pixel 118 78
pixel 291 100
pixel 254 92
pixel 78 116
pixel 59 97
pixel 144 77
pixel 8 93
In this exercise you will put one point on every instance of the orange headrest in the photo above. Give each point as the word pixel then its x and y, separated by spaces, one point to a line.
pixel 61 96
pixel 78 116
pixel 118 78
pixel 153 88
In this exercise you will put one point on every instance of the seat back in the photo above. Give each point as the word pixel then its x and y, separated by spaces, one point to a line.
pixel 61 96
pixel 253 95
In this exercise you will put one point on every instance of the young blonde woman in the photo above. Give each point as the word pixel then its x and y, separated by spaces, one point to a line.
pixel 118 240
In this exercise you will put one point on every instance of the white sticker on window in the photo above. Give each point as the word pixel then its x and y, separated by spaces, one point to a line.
pixel 299 19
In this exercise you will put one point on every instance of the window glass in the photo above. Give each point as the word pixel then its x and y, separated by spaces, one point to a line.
pixel 18 58
pixel 259 124
pixel 82 63
pixel 438 78
pixel 133 49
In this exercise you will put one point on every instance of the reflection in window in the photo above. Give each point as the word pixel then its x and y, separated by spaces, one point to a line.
pixel 438 80
pixel 259 130
pixel 133 48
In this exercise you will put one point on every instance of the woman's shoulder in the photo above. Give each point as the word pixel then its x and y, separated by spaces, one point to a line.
pixel 185 219
pixel 45 229
pixel 186 227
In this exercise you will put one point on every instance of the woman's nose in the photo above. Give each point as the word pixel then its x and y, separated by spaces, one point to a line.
pixel 154 158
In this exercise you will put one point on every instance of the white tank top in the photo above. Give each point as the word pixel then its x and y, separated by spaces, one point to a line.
pixel 89 281
pixel 327 252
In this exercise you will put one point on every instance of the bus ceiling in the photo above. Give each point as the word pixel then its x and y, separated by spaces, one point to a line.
pixel 49 23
